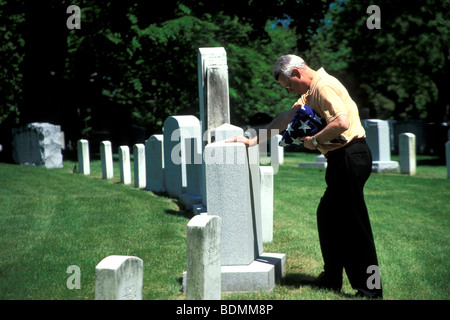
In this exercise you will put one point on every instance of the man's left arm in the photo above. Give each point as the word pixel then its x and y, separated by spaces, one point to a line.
pixel 333 130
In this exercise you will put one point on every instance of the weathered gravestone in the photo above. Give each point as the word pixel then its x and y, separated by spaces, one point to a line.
pixel 38 144
pixel 213 89
pixel 106 160
pixel 203 274
pixel 84 165
pixel 124 164
pixel 119 278
pixel 407 152
pixel 378 139
pixel 139 165
pixel 232 180
pixel 176 130
pixel 154 159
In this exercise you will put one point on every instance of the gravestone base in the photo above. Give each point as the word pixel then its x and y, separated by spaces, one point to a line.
pixel 262 274
pixel 385 166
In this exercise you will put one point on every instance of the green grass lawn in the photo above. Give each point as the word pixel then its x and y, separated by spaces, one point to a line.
pixel 52 219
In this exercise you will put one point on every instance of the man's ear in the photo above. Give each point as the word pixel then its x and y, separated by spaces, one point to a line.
pixel 296 73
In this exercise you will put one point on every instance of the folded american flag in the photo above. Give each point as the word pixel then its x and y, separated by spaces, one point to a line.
pixel 305 123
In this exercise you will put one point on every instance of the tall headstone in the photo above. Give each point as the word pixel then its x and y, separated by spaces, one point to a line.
pixel 106 160
pixel 119 278
pixel 407 152
pixel 154 159
pixel 229 197
pixel 176 130
pixel 124 164
pixel 378 139
pixel 213 89
pixel 139 165
pixel 84 165
pixel 203 274
pixel 38 144
pixel 231 193
pixel 266 173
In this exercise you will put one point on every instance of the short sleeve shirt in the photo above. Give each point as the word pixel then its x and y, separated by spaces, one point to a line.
pixel 329 99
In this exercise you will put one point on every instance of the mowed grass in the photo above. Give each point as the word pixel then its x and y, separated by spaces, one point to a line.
pixel 52 219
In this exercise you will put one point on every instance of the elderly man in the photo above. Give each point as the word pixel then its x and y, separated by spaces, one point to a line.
pixel 345 233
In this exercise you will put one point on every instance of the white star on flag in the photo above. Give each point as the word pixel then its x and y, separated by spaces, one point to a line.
pixel 304 126
pixel 317 118
pixel 289 129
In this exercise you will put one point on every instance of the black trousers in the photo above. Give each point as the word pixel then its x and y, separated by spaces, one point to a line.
pixel 345 234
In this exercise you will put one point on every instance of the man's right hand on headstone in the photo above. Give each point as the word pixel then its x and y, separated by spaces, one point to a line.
pixel 248 142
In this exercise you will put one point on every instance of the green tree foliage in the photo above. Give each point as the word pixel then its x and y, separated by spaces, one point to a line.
pixel 400 68
pixel 141 58
pixel 12 17
pixel 151 68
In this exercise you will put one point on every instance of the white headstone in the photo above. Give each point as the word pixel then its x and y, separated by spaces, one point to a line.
pixel 106 160
pixel 176 130
pixel 407 152
pixel 38 144
pixel 139 165
pixel 213 89
pixel 229 197
pixel 234 195
pixel 84 165
pixel 266 173
pixel 203 272
pixel 276 152
pixel 378 139
pixel 124 164
pixel 154 157
pixel 119 278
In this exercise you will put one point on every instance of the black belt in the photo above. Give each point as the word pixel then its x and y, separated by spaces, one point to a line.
pixel 352 142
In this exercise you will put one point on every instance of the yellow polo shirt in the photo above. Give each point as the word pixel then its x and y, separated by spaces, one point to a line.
pixel 329 99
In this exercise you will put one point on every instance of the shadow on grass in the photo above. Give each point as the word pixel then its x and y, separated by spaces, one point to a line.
pixel 188 214
pixel 298 280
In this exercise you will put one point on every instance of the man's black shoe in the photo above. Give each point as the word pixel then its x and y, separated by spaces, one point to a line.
pixel 369 294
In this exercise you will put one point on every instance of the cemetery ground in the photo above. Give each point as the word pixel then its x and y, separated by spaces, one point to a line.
pixel 51 219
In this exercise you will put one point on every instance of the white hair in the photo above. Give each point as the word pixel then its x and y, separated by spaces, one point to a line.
pixel 285 65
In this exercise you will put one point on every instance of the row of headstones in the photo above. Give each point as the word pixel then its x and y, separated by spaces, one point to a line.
pixel 378 139
pixel 106 158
